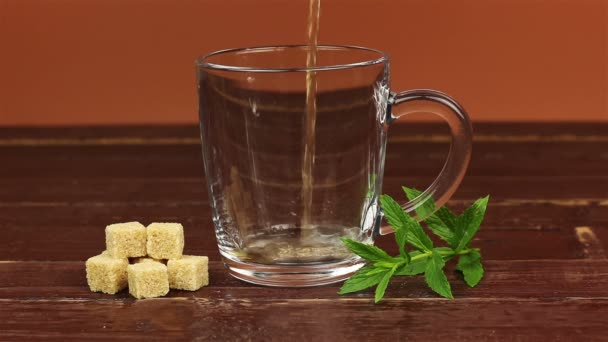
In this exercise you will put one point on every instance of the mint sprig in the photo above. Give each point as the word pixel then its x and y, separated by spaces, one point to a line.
pixel 417 253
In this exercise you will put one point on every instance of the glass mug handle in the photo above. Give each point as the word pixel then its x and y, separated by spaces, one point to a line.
pixel 446 183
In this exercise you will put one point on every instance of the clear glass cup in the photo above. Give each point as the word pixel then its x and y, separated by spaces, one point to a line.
pixel 285 185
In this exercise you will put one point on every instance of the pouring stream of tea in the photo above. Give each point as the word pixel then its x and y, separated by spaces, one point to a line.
pixel 311 114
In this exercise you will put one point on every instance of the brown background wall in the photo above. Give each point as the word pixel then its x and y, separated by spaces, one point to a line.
pixel 131 61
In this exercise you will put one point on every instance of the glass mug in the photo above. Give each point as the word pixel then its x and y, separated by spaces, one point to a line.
pixel 286 183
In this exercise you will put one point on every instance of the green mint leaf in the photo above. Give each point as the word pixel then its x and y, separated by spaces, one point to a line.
pixel 435 278
pixel 438 228
pixel 393 213
pixel 468 223
pixel 363 279
pixel 405 224
pixel 401 239
pixel 418 238
pixel 471 268
pixel 381 288
pixel 426 208
pixel 442 222
pixel 369 252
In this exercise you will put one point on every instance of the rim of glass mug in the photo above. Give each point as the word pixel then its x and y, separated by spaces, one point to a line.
pixel 203 62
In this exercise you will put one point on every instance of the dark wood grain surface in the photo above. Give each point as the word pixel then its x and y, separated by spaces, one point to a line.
pixel 544 241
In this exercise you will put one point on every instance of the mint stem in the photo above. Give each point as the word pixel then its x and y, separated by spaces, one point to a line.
pixel 427 254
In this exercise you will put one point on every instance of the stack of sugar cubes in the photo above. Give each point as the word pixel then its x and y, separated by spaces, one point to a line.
pixel 157 263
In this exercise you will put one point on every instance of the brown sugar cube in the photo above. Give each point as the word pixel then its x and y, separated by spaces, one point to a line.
pixel 165 240
pixel 190 272
pixel 106 274
pixel 148 280
pixel 126 239
pixel 147 259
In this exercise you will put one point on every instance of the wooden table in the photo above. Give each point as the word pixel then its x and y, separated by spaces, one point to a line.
pixel 543 241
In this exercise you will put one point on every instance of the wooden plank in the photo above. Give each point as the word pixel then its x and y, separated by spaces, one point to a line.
pixel 76 243
pixel 183 190
pixel 559 159
pixel 107 161
pixel 230 309
pixel 503 279
pixel 513 187
pixel 76 231
pixel 500 159
pixel 174 151
pixel 144 132
pixel 401 128
pixel 102 191
pixel 315 319
pixel 509 214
